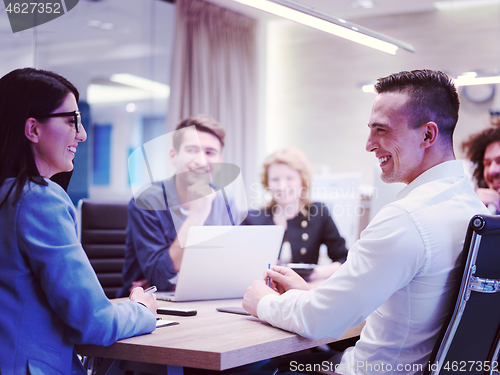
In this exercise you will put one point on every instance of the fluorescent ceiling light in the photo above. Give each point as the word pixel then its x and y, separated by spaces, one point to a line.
pixel 130 108
pixel 324 22
pixel 100 94
pixel 142 83
pixel 131 88
pixel 469 74
pixel 368 88
pixel 454 4
pixel 469 80
pixel 465 79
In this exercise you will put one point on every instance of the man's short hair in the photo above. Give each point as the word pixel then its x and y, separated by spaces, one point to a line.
pixel 433 97
pixel 475 148
pixel 202 123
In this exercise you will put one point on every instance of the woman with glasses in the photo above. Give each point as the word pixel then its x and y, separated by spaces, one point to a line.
pixel 50 296
pixel 287 176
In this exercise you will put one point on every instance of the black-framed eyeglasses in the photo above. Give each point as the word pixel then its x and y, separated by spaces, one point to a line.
pixel 77 115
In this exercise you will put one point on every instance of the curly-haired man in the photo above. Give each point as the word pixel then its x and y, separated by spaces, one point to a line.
pixel 483 149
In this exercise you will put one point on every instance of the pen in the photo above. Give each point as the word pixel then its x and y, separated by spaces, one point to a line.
pixel 268 278
pixel 151 289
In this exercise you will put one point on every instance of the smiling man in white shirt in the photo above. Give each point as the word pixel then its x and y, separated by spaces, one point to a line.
pixel 399 274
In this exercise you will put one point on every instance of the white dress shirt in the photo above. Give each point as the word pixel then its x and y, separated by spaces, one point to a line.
pixel 398 276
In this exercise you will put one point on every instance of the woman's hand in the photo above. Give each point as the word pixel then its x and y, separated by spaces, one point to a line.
pixel 142 283
pixel 147 299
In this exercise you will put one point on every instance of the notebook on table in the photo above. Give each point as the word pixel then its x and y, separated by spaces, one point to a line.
pixel 221 262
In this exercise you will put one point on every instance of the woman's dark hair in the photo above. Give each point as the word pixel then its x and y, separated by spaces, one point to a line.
pixel 62 179
pixel 26 93
pixel 474 149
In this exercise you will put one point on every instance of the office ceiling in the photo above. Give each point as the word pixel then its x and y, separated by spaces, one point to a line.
pixel 97 34
pixel 115 21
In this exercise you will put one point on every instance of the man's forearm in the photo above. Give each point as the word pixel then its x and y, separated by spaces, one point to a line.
pixel 176 250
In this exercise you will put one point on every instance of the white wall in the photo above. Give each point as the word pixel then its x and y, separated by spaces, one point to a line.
pixel 314 100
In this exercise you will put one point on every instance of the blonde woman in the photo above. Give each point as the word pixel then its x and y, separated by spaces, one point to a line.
pixel 287 176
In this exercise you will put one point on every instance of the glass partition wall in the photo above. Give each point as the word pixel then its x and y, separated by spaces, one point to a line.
pixel 118 54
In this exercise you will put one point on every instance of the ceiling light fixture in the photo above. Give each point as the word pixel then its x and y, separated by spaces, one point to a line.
pixel 159 89
pixel 445 5
pixel 365 4
pixel 94 23
pixel 469 80
pixel 370 88
pixel 105 94
pixel 130 108
pixel 465 79
pixel 130 88
pixel 330 24
pixel 107 26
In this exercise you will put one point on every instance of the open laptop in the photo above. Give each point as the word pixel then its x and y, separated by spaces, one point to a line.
pixel 221 262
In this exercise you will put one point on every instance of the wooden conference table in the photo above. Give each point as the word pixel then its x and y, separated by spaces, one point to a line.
pixel 210 340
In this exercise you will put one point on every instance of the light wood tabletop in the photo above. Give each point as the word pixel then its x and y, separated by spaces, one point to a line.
pixel 210 340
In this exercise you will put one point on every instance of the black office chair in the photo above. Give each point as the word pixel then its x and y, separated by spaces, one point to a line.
pixel 469 340
pixel 103 238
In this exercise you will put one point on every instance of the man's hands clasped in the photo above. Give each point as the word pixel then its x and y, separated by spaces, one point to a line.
pixel 282 279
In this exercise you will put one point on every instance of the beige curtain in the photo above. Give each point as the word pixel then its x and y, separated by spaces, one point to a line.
pixel 214 73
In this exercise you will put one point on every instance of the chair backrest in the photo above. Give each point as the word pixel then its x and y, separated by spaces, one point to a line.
pixel 103 238
pixel 469 341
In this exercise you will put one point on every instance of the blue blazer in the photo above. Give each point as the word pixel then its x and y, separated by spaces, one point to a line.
pixel 50 298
